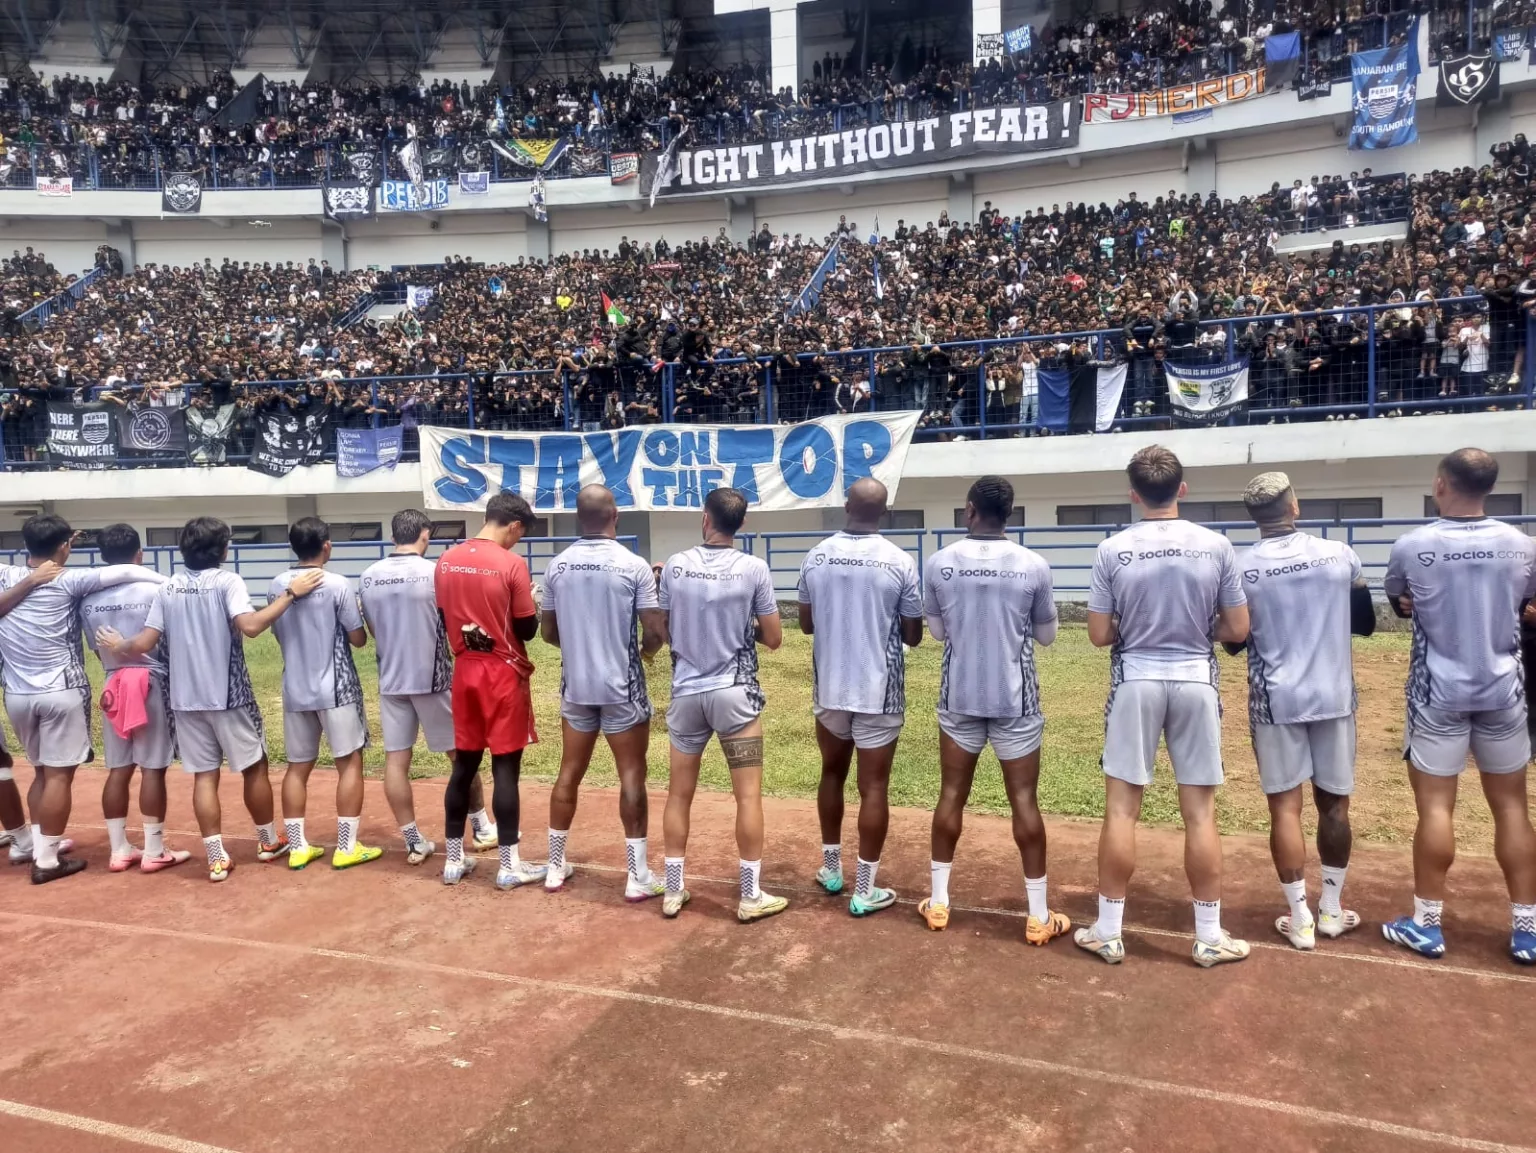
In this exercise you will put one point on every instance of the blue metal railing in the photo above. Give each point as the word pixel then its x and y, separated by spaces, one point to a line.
pixel 67 298
pixel 257 564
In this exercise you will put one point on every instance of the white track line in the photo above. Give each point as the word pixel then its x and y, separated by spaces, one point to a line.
pixel 1327 953
pixel 146 1137
pixel 873 1037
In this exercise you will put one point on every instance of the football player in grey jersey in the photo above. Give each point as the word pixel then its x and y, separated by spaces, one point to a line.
pixel 1162 592
pixel 1463 580
pixel 400 607
pixel 1306 596
pixel 720 606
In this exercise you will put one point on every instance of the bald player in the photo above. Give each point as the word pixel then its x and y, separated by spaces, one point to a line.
pixel 1463 580
pixel 600 610
pixel 989 601
pixel 861 602
pixel 1161 592
pixel 1306 596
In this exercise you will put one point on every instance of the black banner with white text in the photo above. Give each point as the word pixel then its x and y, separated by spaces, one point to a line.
pixel 873 148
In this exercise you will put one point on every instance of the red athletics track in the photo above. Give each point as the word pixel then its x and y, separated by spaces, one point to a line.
pixel 377 1011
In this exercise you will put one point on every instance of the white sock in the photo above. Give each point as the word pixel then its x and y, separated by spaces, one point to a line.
pixel 45 851
pixel 864 878
pixel 1208 922
pixel 117 834
pixel 346 833
pixel 1111 914
pixel 293 829
pixel 154 838
pixel 454 847
pixel 266 834
pixel 508 857
pixel 674 870
pixel 21 841
pixel 1034 888
pixel 1426 913
pixel 1296 898
pixel 480 822
pixel 750 872
pixel 938 879
pixel 1329 899
pixel 412 836
pixel 214 847
pixel 832 858
pixel 1524 917
pixel 635 858
pixel 557 838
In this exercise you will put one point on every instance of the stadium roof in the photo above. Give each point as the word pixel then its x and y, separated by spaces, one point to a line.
pixel 385 40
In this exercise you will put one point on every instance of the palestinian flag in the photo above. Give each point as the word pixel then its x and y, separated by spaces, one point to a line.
pixel 614 313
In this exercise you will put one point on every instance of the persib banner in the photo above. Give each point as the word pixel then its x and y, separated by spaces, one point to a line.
pixel 1206 393
pixel 663 467
pixel 403 196
pixel 1385 83
pixel 1014 128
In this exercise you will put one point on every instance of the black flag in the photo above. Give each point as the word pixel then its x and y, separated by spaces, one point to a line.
pixel 1468 80
pixel 181 193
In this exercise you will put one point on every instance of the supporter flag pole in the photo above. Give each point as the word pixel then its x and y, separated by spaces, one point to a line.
pixel 614 313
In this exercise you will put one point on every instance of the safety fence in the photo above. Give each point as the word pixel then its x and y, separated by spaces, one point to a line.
pixel 1387 360
pixel 1068 549
pixel 257 564
pixel 39 314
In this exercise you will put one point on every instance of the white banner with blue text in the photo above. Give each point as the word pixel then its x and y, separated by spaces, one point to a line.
pixel 666 467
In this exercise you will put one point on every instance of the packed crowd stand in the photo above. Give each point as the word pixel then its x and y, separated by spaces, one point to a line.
pixel 286 134
pixel 969 314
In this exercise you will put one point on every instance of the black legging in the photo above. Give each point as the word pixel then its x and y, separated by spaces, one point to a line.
pixel 505 769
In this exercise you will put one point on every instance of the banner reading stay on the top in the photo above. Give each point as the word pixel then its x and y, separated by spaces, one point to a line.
pixel 663 467
pixel 1197 96
pixel 873 148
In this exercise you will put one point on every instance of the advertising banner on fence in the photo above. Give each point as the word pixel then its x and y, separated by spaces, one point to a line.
pixel 1197 96
pixel 285 440
pixel 403 196
pixel 665 467
pixel 1014 128
pixel 474 183
pixel 1206 393
pixel 152 429
pixel 82 435
pixel 361 450
pixel 1385 84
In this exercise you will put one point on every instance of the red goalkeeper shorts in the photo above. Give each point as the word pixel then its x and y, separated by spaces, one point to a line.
pixel 492 706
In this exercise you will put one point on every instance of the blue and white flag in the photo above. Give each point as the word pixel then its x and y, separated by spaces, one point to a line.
pixel 362 450
pixel 501 117
pixel 403 196
pixel 664 467
pixel 474 183
pixel 494 286
pixel 874 233
pixel 419 295
pixel 879 282
pixel 1509 45
pixel 811 293
pixel 1282 59
pixel 1193 117
pixel 1385 83
pixel 536 198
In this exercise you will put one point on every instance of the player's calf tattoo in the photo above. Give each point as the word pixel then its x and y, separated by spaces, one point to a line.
pixel 742 752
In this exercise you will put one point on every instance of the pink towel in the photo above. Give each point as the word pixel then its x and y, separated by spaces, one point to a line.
pixel 122 700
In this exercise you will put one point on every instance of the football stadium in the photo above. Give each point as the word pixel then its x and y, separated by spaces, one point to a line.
pixel 1042 486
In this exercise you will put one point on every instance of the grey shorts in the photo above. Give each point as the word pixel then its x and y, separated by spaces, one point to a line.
pixel 610 718
pixel 53 729
pixel 1437 741
pixel 1187 713
pixel 693 719
pixel 1322 752
pixel 345 728
pixel 865 730
pixel 207 739
pixel 401 717
pixel 1011 737
pixel 152 746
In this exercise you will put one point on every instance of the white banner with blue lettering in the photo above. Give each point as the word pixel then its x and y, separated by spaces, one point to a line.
pixel 665 467
pixel 1386 82
pixel 403 196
